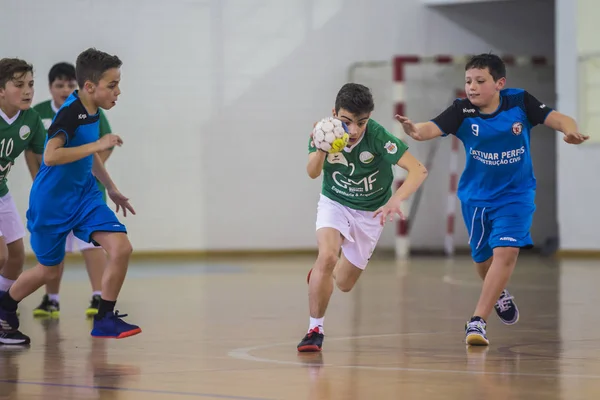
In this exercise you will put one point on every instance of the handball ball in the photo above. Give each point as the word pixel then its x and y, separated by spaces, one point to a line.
pixel 330 135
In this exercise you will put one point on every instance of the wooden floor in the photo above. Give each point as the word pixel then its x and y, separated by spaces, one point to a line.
pixel 229 329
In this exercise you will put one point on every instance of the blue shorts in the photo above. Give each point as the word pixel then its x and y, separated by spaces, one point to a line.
pixel 49 247
pixel 503 226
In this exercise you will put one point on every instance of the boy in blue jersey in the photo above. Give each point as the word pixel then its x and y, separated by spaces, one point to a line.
pixel 497 187
pixel 62 82
pixel 65 197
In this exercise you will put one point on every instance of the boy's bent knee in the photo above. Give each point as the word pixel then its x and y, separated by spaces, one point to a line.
pixel 121 250
pixel 50 272
pixel 116 244
pixel 327 259
pixel 346 274
pixel 344 285
pixel 506 255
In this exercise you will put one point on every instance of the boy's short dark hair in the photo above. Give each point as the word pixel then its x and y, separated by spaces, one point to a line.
pixel 355 98
pixel 492 62
pixel 62 70
pixel 92 63
pixel 11 68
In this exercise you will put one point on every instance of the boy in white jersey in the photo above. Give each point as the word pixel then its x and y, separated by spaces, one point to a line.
pixel 497 187
pixel 355 201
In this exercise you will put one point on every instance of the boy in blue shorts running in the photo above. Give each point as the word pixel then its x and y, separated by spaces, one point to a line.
pixel 497 187
pixel 65 197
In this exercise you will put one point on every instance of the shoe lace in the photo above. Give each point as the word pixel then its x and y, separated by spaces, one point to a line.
pixel 504 303
pixel 312 332
pixel 476 325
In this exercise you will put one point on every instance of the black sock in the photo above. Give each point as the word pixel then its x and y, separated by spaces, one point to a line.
pixel 475 318
pixel 8 303
pixel 105 307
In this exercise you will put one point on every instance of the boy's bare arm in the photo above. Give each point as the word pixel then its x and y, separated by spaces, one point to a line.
pixel 56 154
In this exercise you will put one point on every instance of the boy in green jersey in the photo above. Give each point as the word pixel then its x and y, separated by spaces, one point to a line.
pixel 21 130
pixel 62 82
pixel 355 201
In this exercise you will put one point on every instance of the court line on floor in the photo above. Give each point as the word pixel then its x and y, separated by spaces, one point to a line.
pixel 244 354
pixel 468 283
pixel 121 389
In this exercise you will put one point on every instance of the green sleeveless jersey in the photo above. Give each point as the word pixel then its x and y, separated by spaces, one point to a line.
pixel 361 177
pixel 22 132
pixel 47 113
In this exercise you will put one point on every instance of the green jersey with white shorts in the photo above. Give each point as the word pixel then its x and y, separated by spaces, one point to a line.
pixel 356 182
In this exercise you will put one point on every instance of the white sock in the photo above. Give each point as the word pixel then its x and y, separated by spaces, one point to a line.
pixel 97 293
pixel 53 297
pixel 314 322
pixel 5 284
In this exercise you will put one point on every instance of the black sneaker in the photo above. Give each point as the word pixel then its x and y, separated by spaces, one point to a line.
pixel 47 308
pixel 94 304
pixel 13 338
pixel 9 329
pixel 507 309
pixel 312 341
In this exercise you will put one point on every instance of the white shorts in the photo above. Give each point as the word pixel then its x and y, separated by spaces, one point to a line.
pixel 360 230
pixel 11 224
pixel 81 245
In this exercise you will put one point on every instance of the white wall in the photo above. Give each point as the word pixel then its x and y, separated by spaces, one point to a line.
pixel 252 74
pixel 577 168
pixel 165 77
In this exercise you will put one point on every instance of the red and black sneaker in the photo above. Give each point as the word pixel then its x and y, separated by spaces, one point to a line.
pixel 312 341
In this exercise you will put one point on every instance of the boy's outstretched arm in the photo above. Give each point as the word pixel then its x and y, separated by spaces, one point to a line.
pixel 447 122
pixel 567 125
pixel 420 131
pixel 417 173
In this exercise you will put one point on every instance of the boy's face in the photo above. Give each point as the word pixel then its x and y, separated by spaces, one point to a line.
pixel 106 92
pixel 480 86
pixel 62 88
pixel 17 94
pixel 357 124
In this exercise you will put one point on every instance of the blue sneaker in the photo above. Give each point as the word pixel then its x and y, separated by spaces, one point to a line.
pixel 112 326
